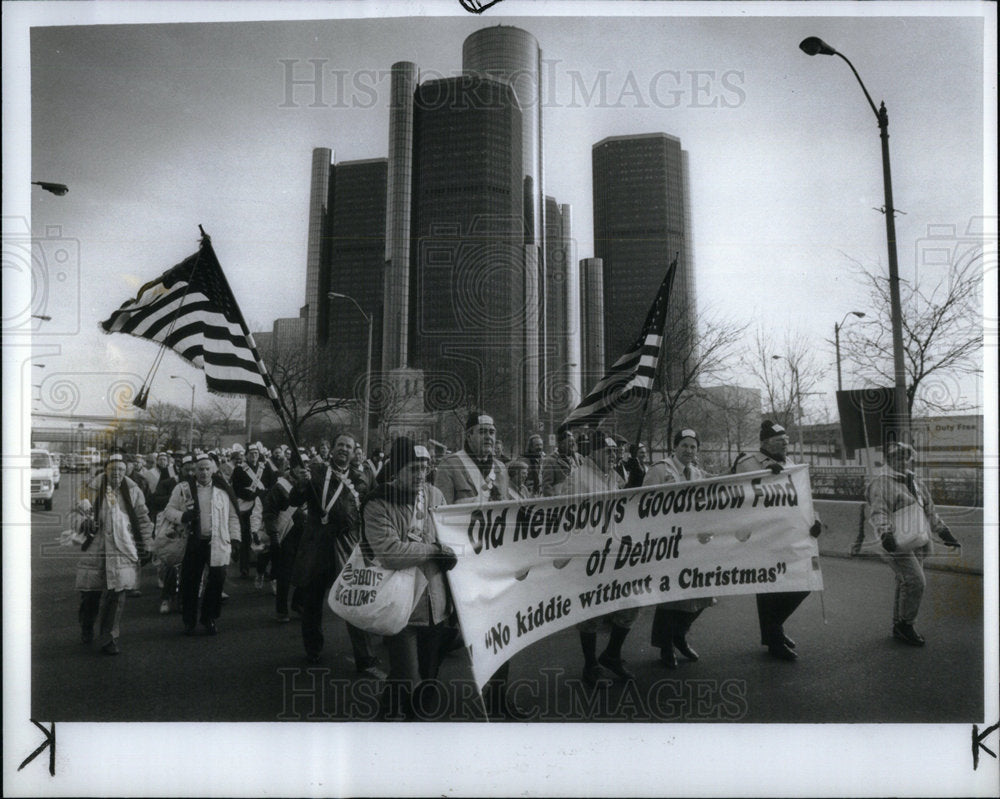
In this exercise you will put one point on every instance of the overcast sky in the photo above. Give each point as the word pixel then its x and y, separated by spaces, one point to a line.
pixel 157 128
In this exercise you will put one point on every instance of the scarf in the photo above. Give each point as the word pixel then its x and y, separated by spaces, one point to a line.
pixel 126 495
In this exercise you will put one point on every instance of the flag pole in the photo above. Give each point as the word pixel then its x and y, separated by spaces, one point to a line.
pixel 277 402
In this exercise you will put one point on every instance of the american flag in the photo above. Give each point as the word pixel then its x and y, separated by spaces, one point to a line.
pixel 191 309
pixel 632 374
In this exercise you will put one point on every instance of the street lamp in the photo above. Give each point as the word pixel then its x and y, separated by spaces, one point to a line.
pixel 816 46
pixel 368 379
pixel 836 339
pixel 57 189
pixel 798 401
pixel 191 425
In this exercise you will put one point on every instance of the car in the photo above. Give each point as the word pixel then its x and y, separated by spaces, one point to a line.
pixel 43 484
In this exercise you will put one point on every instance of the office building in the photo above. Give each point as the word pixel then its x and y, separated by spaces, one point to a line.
pixel 641 222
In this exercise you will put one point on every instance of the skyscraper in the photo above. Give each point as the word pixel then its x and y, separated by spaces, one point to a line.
pixel 640 225
pixel 346 255
pixel 468 286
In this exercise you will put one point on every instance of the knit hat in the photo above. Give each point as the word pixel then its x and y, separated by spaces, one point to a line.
pixel 687 432
pixel 404 452
pixel 769 429
pixel 477 418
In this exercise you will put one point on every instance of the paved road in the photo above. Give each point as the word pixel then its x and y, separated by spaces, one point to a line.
pixel 850 669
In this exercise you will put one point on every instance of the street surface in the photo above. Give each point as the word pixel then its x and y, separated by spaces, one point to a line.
pixel 849 670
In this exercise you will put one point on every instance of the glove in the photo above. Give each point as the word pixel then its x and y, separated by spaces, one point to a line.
pixel 816 529
pixel 88 527
pixel 775 467
pixel 446 557
pixel 889 542
pixel 189 516
pixel 947 538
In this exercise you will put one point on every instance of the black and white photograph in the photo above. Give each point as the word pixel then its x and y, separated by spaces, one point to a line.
pixel 458 397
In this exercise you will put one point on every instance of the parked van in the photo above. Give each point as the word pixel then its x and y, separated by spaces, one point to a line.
pixel 43 481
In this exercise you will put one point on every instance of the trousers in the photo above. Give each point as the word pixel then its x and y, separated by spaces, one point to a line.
pixel 197 556
pixel 908 567
pixel 773 611
pixel 106 606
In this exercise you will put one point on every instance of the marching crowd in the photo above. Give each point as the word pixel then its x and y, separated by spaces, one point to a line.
pixel 291 523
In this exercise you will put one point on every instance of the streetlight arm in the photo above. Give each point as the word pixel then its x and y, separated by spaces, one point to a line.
pixel 861 84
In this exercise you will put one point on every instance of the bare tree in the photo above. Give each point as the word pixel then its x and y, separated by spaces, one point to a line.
pixel 787 371
pixel 218 419
pixel 691 358
pixel 168 421
pixel 305 381
pixel 942 334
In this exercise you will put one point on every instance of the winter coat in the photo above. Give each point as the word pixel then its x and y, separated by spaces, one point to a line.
pixel 112 560
pixel 889 493
pixel 387 514
pixel 326 544
pixel 456 484
pixel 225 520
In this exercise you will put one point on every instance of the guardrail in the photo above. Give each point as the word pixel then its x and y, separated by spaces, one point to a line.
pixel 848 482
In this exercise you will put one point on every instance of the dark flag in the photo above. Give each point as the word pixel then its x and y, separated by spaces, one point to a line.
pixel 632 374
pixel 867 418
pixel 191 309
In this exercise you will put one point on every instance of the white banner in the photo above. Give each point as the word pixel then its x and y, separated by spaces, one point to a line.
pixel 530 568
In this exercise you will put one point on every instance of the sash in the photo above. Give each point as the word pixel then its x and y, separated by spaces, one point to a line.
pixel 326 507
pixel 256 481
pixel 476 477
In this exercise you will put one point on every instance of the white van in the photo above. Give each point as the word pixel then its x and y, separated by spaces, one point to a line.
pixel 43 478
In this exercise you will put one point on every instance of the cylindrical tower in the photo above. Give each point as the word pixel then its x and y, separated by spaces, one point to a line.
pixel 573 331
pixel 317 244
pixel 397 220
pixel 592 320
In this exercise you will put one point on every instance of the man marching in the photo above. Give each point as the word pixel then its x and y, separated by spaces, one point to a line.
pixel 473 474
pixel 774 609
pixel 250 481
pixel 207 507
pixel 333 528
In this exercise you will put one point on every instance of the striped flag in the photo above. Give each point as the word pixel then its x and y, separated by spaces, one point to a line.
pixel 632 374
pixel 191 309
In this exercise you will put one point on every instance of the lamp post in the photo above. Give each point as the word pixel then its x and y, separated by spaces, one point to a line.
pixel 191 423
pixel 798 401
pixel 58 189
pixel 840 382
pixel 368 375
pixel 816 46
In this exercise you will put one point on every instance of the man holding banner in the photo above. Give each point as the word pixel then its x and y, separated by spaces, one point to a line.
pixel 475 475
pixel 773 609
pixel 597 475
pixel 672 620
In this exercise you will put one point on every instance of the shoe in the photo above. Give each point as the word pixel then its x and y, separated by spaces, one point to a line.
pixel 616 665
pixel 244 574
pixel 159 583
pixel 87 635
pixel 188 629
pixel 282 618
pixel 782 652
pixel 788 641
pixel 110 648
pixel 164 607
pixel 667 657
pixel 684 648
pixel 904 631
pixel 210 628
pixel 134 592
pixel 225 596
pixel 258 583
pixel 374 671
pixel 594 677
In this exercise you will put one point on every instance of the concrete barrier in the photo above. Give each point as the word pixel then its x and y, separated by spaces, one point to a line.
pixel 840 529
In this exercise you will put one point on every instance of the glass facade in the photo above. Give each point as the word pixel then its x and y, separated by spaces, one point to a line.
pixel 467 304
pixel 640 224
